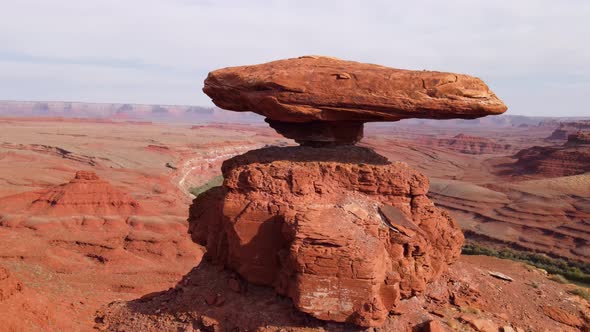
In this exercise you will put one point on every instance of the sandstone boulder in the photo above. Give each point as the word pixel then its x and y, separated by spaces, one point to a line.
pixel 316 88
pixel 343 232
pixel 319 99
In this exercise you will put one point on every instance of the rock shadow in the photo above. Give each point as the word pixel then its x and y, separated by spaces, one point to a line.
pixel 343 154
pixel 211 298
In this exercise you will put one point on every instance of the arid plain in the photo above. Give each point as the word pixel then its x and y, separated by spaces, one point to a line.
pixel 512 182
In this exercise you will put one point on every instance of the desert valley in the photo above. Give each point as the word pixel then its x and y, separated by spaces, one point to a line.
pixel 319 194
pixel 93 210
pixel 294 166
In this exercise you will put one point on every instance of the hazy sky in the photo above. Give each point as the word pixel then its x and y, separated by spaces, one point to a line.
pixel 535 54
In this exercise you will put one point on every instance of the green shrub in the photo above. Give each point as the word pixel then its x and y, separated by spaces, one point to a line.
pixel 558 278
pixel 571 270
pixel 581 292
pixel 214 182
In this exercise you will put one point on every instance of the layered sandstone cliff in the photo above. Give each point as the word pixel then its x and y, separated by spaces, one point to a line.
pixel 341 231
pixel 468 144
pixel 571 158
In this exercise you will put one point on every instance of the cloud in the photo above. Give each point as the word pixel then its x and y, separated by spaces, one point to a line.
pixel 531 52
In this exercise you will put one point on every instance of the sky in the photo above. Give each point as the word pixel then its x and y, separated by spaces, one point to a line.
pixel 535 54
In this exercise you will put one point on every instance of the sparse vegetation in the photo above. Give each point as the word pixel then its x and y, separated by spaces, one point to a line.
pixel 558 278
pixel 570 270
pixel 534 284
pixel 581 292
pixel 470 310
pixel 214 182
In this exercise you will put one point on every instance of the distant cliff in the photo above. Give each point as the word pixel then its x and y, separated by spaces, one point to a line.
pixel 141 112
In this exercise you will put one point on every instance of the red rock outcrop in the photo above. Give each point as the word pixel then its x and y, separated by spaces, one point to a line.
pixel 86 194
pixel 341 231
pixel 558 135
pixel 564 129
pixel 313 89
pixel 579 139
pixel 571 158
pixel 318 88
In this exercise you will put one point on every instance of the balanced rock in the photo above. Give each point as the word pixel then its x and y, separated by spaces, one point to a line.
pixel 342 231
pixel 313 89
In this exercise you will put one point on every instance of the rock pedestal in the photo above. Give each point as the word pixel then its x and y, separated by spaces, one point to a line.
pixel 320 133
pixel 341 231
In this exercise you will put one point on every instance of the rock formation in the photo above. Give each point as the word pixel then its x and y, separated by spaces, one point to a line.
pixel 557 135
pixel 468 144
pixel 564 129
pixel 571 158
pixel 87 194
pixel 342 231
pixel 295 94
pixel 579 139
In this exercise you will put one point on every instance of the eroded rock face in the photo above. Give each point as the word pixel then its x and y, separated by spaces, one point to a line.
pixel 341 231
pixel 571 158
pixel 579 139
pixel 316 88
pixel 468 144
pixel 557 135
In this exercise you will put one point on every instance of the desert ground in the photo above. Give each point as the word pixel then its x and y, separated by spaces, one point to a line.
pixel 61 266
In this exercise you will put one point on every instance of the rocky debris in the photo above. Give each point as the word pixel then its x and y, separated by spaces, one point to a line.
pixel 562 316
pixel 171 166
pixel 24 309
pixel 434 326
pixel 258 308
pixel 499 275
pixel 325 89
pixel 210 324
pixel 304 220
pixel 468 144
pixel 9 285
pixel 479 324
